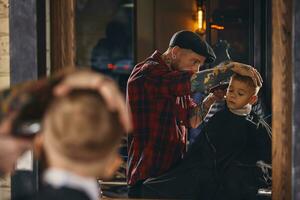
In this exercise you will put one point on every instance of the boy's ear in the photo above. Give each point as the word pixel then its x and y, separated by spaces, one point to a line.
pixel 253 99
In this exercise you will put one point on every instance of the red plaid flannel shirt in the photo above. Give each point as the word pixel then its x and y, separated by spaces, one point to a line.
pixel 159 100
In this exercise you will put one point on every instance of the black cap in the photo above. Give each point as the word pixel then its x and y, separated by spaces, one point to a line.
pixel 190 40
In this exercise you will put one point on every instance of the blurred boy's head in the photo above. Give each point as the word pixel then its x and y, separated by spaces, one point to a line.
pixel 241 91
pixel 81 135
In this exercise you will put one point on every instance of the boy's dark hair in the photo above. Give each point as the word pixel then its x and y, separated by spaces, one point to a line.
pixel 247 80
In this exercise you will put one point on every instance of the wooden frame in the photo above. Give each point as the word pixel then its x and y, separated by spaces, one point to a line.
pixel 282 17
pixel 62 34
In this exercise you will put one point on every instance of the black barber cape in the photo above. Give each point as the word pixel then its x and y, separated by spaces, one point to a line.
pixel 221 164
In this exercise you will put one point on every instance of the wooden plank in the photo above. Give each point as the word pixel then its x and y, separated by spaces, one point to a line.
pixel 5 186
pixel 145 33
pixel 282 101
pixel 62 34
pixel 178 15
pixel 4 44
pixel 4 78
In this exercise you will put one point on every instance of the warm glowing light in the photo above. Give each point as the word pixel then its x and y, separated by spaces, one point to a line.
pixel 200 18
pixel 218 27
pixel 201 26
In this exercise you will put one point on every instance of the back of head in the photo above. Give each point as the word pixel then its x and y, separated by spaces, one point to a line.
pixel 190 40
pixel 247 80
pixel 81 129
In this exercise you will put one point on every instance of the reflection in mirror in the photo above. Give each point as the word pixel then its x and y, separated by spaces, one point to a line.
pixel 104 34
pixel 104 41
pixel 247 42
pixel 104 37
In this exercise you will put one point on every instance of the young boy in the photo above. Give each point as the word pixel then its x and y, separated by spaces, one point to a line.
pixel 85 118
pixel 28 101
pixel 239 139
pixel 221 164
pixel 241 95
pixel 81 137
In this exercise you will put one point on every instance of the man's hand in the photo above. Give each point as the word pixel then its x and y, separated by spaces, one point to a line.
pixel 206 79
pixel 216 95
pixel 245 70
pixel 105 86
pixel 208 101
pixel 10 150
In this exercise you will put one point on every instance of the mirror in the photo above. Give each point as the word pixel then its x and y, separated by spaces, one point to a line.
pixel 237 29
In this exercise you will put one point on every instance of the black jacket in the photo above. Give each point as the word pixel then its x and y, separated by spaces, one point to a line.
pixel 221 164
pixel 50 193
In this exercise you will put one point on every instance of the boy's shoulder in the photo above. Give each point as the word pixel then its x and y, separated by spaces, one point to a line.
pixel 220 118
pixel 258 121
pixel 225 115
pixel 254 118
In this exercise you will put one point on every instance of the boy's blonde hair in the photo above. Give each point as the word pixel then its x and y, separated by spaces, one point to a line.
pixel 248 81
pixel 81 129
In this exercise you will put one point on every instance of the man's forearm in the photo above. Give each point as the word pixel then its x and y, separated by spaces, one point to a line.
pixel 204 80
pixel 197 115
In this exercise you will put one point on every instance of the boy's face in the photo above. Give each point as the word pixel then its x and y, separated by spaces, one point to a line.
pixel 239 94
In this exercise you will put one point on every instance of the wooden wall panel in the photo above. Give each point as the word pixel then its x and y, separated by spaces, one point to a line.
pixel 282 98
pixel 62 34
pixel 4 44
pixel 144 16
pixel 4 78
pixel 172 16
pixel 156 21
